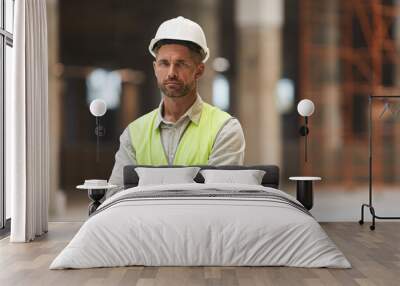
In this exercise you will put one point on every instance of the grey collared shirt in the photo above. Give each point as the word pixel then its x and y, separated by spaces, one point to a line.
pixel 228 147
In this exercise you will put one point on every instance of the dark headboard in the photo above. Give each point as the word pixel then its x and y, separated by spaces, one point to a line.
pixel 270 179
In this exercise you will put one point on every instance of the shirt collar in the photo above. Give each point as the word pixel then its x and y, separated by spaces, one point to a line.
pixel 194 113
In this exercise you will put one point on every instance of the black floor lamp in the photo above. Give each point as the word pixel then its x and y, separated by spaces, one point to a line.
pixel 369 205
pixel 305 108
pixel 98 108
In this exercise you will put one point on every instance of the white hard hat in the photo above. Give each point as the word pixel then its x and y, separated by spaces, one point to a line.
pixel 182 29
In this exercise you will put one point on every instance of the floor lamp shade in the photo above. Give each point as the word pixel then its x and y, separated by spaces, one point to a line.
pixel 305 107
pixel 98 107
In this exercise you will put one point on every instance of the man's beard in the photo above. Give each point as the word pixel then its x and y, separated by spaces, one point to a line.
pixel 182 91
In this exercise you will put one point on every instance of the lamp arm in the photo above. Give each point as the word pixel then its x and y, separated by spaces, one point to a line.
pixel 305 142
pixel 97 139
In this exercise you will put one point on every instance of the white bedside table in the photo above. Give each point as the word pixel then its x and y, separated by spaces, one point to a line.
pixel 95 193
pixel 304 190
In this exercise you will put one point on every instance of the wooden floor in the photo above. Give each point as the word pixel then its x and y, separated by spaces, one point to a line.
pixel 374 255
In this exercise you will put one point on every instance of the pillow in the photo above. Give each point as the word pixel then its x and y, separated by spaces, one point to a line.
pixel 248 177
pixel 163 176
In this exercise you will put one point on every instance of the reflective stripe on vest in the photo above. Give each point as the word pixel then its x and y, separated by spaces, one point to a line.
pixel 194 147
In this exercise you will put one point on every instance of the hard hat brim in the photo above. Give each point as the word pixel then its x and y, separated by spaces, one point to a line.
pixel 153 42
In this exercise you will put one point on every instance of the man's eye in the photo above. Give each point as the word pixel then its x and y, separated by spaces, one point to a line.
pixel 162 64
pixel 183 64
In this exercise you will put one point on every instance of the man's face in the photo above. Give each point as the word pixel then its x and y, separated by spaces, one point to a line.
pixel 176 70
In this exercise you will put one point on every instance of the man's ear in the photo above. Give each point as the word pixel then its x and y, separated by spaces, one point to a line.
pixel 200 70
pixel 154 66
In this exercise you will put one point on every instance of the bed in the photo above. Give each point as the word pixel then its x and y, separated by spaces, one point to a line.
pixel 201 224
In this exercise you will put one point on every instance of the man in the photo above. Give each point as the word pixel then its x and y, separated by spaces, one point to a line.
pixel 183 130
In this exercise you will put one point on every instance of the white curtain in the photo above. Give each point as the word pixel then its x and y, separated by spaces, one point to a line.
pixel 27 142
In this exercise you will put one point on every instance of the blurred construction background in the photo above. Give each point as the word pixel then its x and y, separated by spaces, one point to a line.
pixel 266 55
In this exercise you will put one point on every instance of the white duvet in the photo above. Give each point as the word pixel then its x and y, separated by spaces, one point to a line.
pixel 182 231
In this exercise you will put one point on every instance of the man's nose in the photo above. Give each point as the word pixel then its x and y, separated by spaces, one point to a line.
pixel 172 72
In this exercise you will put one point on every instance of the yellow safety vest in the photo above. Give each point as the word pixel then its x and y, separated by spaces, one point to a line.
pixel 194 147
